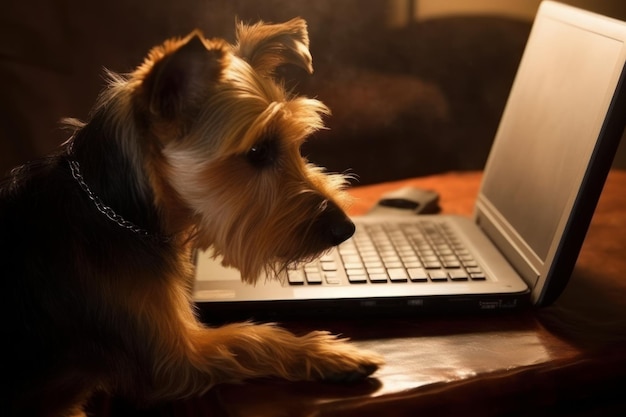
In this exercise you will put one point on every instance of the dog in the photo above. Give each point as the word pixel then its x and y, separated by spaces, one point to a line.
pixel 198 147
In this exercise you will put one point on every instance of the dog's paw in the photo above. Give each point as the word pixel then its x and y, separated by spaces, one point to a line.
pixel 337 360
pixel 348 377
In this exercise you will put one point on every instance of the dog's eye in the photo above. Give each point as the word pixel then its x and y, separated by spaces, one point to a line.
pixel 262 154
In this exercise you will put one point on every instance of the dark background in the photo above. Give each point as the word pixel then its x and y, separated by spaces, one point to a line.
pixel 416 87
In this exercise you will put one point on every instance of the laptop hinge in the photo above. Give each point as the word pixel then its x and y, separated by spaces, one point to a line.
pixel 508 242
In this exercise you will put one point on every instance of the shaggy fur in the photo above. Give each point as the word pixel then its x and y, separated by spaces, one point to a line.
pixel 197 148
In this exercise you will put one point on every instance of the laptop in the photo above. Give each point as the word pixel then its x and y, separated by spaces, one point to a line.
pixel 552 152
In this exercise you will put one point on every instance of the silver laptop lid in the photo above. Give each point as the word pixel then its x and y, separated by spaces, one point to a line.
pixel 554 146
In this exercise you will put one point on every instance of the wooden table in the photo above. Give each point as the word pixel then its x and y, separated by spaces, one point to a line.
pixel 566 359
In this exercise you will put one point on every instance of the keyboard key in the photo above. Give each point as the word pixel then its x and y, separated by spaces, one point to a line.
pixel 397 275
pixel 438 275
pixel 295 276
pixel 373 264
pixel 444 251
pixel 409 257
pixel 477 276
pixel 351 258
pixel 405 250
pixel 314 278
pixel 327 257
pixel 353 265
pixel 311 268
pixel 417 274
pixel 366 247
pixel 355 271
pixel 378 278
pixel 348 250
pixel 331 278
pixel 329 266
pixel 457 275
pixel 357 279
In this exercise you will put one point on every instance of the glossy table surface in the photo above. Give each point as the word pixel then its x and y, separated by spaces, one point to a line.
pixel 566 359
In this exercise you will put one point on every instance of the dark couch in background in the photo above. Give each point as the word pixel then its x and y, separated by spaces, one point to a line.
pixel 408 101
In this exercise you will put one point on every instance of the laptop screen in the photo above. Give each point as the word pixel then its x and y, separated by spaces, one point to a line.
pixel 548 135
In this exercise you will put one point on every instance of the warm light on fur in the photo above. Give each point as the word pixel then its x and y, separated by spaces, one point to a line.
pixel 197 148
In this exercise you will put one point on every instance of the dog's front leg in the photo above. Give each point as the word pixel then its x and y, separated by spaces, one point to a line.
pixel 237 352
pixel 246 350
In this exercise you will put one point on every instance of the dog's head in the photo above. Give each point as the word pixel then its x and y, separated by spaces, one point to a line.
pixel 223 138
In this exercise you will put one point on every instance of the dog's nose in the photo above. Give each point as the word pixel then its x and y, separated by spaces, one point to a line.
pixel 337 226
pixel 342 231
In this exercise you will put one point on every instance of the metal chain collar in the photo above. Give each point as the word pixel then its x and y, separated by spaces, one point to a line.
pixel 108 211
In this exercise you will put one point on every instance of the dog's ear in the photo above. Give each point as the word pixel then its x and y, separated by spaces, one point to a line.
pixel 266 46
pixel 181 77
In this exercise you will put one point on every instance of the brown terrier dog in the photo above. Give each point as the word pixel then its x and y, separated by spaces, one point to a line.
pixel 197 148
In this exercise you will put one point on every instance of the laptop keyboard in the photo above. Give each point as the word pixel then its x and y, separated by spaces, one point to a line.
pixel 419 252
